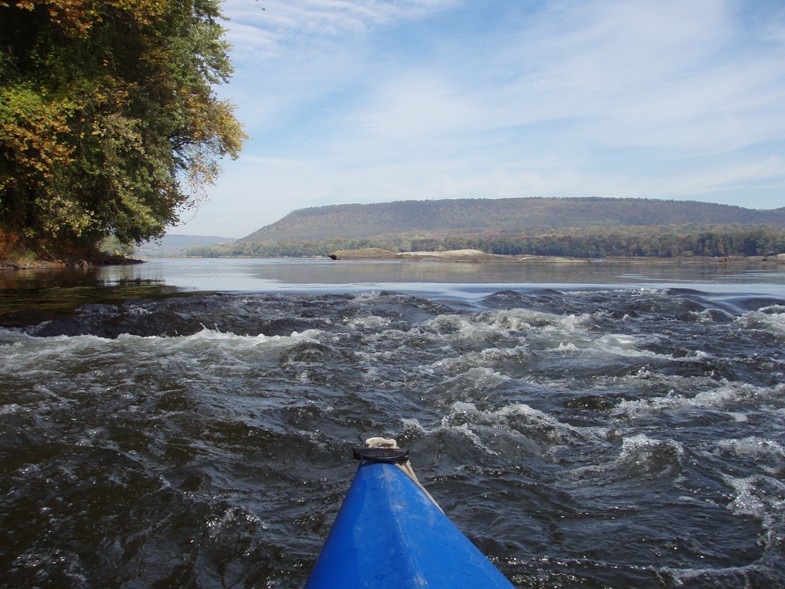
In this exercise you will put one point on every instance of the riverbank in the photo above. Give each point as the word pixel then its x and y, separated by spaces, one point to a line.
pixel 478 256
pixel 97 260
pixel 463 255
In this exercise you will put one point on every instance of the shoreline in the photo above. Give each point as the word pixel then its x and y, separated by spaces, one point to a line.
pixel 479 257
pixel 74 264
pixel 453 256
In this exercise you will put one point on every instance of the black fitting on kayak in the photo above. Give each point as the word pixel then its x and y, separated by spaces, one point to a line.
pixel 386 455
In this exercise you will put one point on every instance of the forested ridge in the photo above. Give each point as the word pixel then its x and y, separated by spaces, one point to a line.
pixel 590 242
pixel 578 227
pixel 109 124
pixel 472 216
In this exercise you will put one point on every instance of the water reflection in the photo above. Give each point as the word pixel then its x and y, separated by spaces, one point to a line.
pixel 282 274
pixel 31 295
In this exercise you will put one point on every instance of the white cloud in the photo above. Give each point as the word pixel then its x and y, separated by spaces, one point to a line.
pixel 641 73
pixel 314 22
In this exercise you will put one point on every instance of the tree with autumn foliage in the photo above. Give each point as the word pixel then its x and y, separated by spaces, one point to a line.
pixel 109 123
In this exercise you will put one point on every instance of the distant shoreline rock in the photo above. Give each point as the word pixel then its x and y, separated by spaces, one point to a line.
pixel 464 255
pixel 478 256
pixel 366 253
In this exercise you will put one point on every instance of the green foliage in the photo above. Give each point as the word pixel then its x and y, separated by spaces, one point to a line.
pixel 661 242
pixel 109 124
pixel 112 246
pixel 590 242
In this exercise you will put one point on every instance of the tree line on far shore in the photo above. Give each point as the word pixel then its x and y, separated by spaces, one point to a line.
pixel 599 242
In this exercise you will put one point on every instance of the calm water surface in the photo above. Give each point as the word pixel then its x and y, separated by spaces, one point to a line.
pixel 187 423
pixel 315 274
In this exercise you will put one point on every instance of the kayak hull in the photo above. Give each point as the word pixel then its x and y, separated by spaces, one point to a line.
pixel 390 534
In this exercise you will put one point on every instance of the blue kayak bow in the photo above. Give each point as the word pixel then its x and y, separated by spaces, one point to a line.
pixel 390 534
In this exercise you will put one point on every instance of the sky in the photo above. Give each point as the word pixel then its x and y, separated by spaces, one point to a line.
pixel 361 101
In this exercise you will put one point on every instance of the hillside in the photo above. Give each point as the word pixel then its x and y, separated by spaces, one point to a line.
pixel 471 216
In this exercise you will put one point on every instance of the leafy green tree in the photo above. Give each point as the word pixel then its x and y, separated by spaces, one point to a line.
pixel 109 123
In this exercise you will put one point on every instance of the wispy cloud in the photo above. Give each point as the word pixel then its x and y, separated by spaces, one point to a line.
pixel 277 23
pixel 291 54
pixel 623 73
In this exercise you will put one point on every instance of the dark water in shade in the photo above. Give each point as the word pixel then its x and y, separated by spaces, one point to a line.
pixel 621 428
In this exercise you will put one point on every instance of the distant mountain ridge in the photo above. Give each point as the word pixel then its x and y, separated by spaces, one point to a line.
pixel 358 221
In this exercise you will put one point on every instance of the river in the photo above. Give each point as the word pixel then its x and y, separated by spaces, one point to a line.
pixel 188 423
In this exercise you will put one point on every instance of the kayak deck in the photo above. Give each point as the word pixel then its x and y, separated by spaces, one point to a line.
pixel 389 533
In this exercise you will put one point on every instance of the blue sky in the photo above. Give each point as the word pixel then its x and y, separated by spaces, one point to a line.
pixel 359 101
